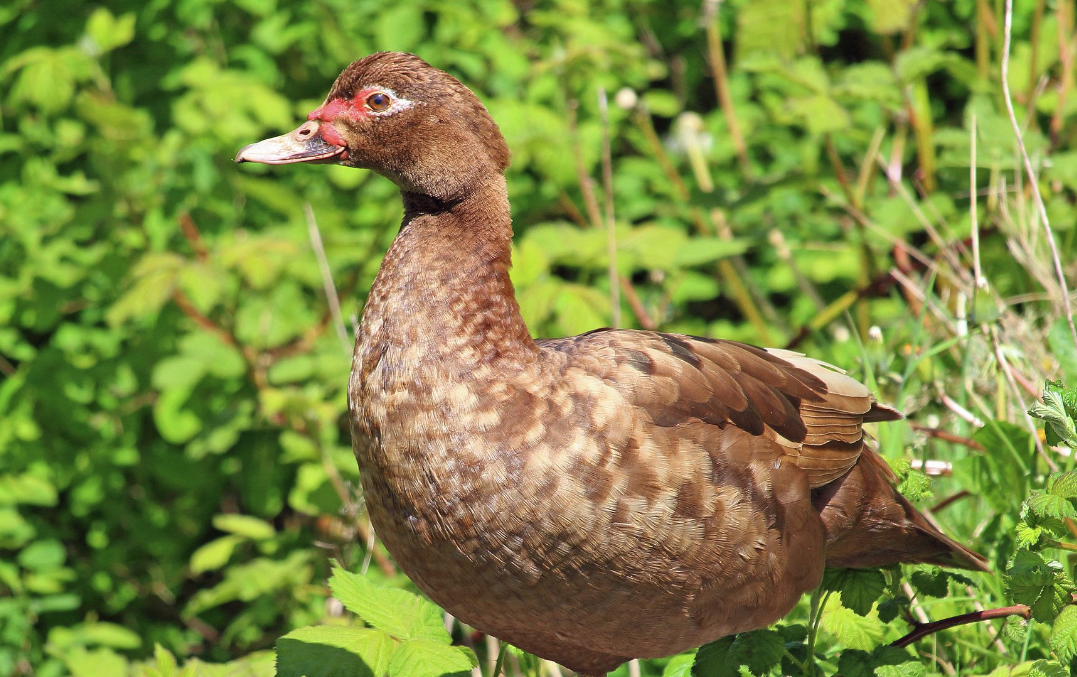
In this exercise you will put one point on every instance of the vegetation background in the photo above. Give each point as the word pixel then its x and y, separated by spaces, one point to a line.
pixel 176 479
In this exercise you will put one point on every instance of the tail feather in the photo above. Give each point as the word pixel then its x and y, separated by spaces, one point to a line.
pixel 869 524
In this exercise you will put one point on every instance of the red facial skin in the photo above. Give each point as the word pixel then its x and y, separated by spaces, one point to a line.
pixel 355 107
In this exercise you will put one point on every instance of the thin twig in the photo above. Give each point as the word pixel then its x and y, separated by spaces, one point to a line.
pixel 946 436
pixel 190 231
pixel 977 273
pixel 1041 208
pixel 327 277
pixel 721 84
pixel 611 234
pixel 949 500
pixel 636 305
pixel 1005 367
pixel 925 629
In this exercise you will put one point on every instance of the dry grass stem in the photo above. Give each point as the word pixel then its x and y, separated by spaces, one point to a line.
pixel 1067 307
pixel 327 277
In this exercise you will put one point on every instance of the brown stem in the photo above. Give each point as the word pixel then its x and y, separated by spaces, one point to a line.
pixel 949 500
pixel 196 315
pixel 946 437
pixel 721 86
pixel 636 305
pixel 190 231
pixel 924 629
pixel 6 368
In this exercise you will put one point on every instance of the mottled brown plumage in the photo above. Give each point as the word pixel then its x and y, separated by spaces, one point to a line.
pixel 589 499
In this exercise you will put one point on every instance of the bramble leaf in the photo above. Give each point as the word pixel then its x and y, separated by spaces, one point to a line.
pixel 859 588
pixel 1039 583
pixel 1064 634
pixel 402 614
pixel 429 658
pixel 333 651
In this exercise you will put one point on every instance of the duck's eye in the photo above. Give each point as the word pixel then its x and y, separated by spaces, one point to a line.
pixel 378 102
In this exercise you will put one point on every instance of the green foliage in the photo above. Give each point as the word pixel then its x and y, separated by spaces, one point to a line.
pixel 175 465
pixel 406 638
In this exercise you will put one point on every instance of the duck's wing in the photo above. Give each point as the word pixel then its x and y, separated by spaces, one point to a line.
pixel 811 409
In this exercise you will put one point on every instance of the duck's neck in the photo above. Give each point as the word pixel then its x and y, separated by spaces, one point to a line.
pixel 442 301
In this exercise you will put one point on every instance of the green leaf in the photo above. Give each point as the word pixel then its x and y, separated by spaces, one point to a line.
pixel 1016 629
pixel 244 525
pixel 1047 505
pixel 429 658
pixel 42 555
pixel 1064 634
pixel 885 660
pixel 890 16
pixel 712 660
pixel 931 581
pixel 1057 414
pixel 1044 668
pixel 400 613
pixel 1039 583
pixel 759 651
pixel 680 665
pixel 108 32
pixel 83 663
pixel 700 250
pixel 333 651
pixel 851 629
pixel 93 634
pixel 214 555
pixel 859 588
pixel 1062 484
pixel 28 489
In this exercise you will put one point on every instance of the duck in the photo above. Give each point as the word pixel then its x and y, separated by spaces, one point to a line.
pixel 597 498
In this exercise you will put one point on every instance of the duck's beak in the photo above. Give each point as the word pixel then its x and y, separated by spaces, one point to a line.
pixel 305 144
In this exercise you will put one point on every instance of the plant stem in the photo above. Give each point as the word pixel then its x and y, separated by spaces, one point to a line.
pixel 499 664
pixel 1067 308
pixel 721 85
pixel 611 235
pixel 925 629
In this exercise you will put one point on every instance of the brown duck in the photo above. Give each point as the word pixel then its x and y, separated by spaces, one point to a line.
pixel 589 499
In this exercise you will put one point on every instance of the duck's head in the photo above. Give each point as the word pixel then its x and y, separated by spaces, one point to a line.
pixel 401 117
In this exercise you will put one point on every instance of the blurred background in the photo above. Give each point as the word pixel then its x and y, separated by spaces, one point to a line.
pixel 175 466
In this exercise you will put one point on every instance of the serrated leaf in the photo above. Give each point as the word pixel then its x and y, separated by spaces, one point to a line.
pixel 1027 536
pixel 1062 484
pixel 906 669
pixel 244 525
pixel 1039 583
pixel 1057 411
pixel 1047 505
pixel 1064 634
pixel 1015 628
pixel 859 588
pixel 712 660
pixel 403 615
pixel 429 658
pixel 759 651
pixel 931 581
pixel 1043 668
pixel 334 651
pixel 890 609
pixel 858 663
pixel 851 629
